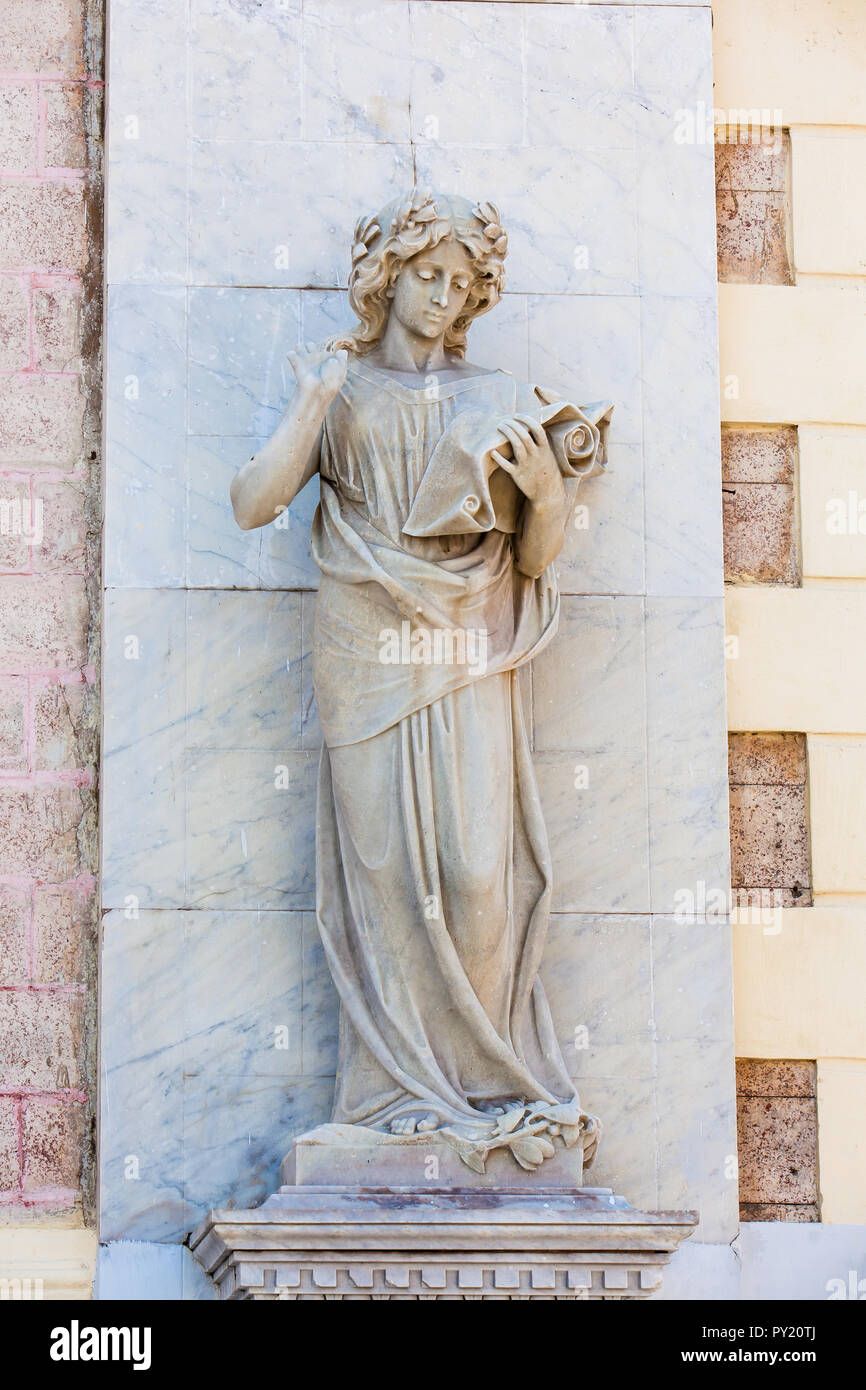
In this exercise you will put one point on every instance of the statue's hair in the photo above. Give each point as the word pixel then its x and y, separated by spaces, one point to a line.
pixel 415 223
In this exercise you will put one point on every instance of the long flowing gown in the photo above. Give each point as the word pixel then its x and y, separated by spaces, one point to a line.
pixel 433 865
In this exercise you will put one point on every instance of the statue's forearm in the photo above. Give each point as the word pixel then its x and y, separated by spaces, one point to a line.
pixel 276 474
pixel 543 532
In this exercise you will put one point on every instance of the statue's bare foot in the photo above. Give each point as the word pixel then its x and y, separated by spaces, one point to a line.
pixel 413 1124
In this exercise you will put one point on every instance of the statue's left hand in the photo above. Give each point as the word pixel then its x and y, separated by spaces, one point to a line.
pixel 532 464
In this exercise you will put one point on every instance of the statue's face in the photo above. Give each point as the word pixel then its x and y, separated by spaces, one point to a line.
pixel 432 289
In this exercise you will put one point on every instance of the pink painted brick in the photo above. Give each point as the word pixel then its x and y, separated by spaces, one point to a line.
pixel 13 700
pixel 63 918
pixel 44 225
pixel 14 325
pixel 40 421
pixel 42 35
pixel 59 735
pixel 14 910
pixel 65 146
pixel 17 125
pixel 17 523
pixel 39 831
pixel 10 1179
pixel 64 527
pixel 43 623
pixel 52 1132
pixel 57 321
pixel 40 1038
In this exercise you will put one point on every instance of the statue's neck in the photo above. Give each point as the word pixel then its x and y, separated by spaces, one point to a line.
pixel 403 351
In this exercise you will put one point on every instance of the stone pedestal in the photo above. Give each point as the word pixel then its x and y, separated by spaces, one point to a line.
pixel 329 1242
pixel 328 1155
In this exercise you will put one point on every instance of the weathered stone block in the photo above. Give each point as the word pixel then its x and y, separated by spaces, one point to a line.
pixel 763 168
pixel 767 759
pixel 16 524
pixel 14 908
pixel 759 533
pixel 40 420
pixel 9 1166
pixel 63 916
pixel 52 1135
pixel 14 329
pixel 38 829
pixel 17 124
pixel 58 716
pixel 64 526
pixel 752 216
pixel 759 455
pixel 778 1139
pixel 44 225
pixel 43 623
pixel 766 1077
pixel 778 1211
pixel 65 145
pixel 769 837
pixel 46 37
pixel 56 316
pixel 40 1039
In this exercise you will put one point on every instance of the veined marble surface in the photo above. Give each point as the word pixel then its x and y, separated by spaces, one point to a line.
pixel 244 139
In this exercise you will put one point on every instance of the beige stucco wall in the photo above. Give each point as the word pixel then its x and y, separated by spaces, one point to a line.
pixel 795 355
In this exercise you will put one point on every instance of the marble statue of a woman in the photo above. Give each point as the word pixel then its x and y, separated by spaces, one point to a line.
pixel 445 493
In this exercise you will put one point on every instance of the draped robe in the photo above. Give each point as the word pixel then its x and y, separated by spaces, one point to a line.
pixel 433 866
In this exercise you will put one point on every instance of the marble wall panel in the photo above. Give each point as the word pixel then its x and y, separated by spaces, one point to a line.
pixel 145 428
pixel 688 813
pixel 146 136
pixel 246 229
pixel 259 133
pixel 245 70
pixel 216 1051
pixel 143 812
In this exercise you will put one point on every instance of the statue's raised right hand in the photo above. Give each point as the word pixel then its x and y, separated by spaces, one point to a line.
pixel 318 371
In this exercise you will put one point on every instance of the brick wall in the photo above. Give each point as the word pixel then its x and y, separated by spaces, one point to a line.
pixel 50 329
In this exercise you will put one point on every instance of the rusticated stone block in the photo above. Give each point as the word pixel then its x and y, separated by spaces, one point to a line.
pixel 769 820
pixel 16 525
pixel 760 536
pixel 45 37
pixel 40 1039
pixel 778 1211
pixel 64 526
pixel 769 837
pixel 778 1146
pixel 14 330
pixel 766 1077
pixel 65 146
pixel 63 917
pixel 17 124
pixel 767 759
pixel 752 213
pixel 39 829
pixel 14 906
pixel 759 533
pixel 763 168
pixel 43 623
pixel 40 420
pixel 777 1138
pixel 13 697
pixel 58 718
pixel 754 454
pixel 56 318
pixel 9 1166
pixel 44 225
pixel 52 1135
